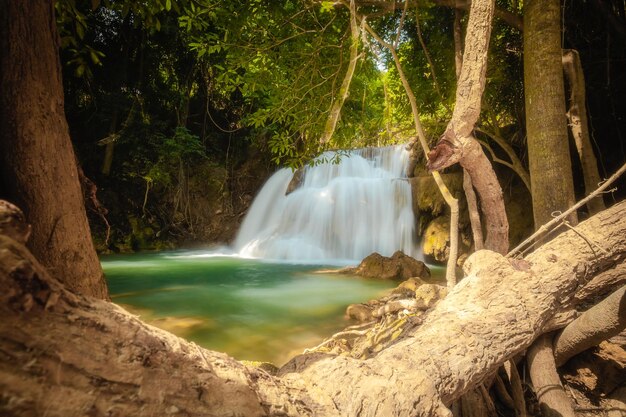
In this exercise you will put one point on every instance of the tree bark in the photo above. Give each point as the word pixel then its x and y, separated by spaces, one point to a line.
pixel 468 187
pixel 579 126
pixel 457 143
pixel 602 321
pixel 546 382
pixel 472 208
pixel 100 360
pixel 546 127
pixel 37 161
pixel 344 90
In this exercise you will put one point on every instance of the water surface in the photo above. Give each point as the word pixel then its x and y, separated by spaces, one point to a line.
pixel 250 309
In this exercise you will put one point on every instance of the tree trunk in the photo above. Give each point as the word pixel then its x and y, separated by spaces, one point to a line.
pixel 37 160
pixel 546 126
pixel 457 143
pixel 65 354
pixel 468 187
pixel 344 90
pixel 579 126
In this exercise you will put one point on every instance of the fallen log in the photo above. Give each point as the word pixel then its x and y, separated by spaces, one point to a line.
pixel 62 354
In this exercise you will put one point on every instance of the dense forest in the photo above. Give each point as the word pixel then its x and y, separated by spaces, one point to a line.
pixel 131 126
pixel 178 113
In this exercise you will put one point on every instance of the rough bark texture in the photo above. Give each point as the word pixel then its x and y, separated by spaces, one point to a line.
pixel 552 398
pixel 493 314
pixel 100 360
pixel 579 126
pixel 546 125
pixel 62 354
pixel 602 321
pixel 37 161
pixel 457 143
pixel 472 208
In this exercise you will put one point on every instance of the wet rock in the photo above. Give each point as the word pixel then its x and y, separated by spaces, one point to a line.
pixel 426 195
pixel 412 283
pixel 398 267
pixel 436 243
pixel 360 312
pixel 296 181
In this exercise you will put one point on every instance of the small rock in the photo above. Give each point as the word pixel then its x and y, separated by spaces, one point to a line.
pixel 412 283
pixel 359 312
pixel 427 295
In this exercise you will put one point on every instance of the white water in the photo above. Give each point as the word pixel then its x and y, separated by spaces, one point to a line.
pixel 340 214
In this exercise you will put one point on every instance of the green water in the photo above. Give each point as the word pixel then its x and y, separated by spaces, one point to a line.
pixel 250 309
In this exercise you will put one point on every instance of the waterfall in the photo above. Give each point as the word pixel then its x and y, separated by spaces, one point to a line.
pixel 339 214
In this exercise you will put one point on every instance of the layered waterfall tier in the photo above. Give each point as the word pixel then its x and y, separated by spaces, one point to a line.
pixel 340 213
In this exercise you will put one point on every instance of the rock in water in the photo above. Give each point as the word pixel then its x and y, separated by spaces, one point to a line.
pixel 398 267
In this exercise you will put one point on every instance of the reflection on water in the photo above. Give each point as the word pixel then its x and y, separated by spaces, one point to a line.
pixel 250 309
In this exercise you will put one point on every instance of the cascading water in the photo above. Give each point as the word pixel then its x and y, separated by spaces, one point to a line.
pixel 339 214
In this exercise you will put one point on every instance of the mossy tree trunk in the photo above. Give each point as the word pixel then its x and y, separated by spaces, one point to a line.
pixel 37 162
pixel 546 124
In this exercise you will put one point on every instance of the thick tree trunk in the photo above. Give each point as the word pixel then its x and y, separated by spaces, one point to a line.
pixel 37 161
pixel 546 126
pixel 579 126
pixel 65 354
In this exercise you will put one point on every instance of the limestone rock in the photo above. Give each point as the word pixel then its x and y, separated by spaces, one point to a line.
pixel 436 242
pixel 399 267
pixel 412 283
pixel 427 295
pixel 426 195
pixel 360 312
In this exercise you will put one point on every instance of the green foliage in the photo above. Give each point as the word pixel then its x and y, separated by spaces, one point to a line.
pixel 159 159
pixel 286 60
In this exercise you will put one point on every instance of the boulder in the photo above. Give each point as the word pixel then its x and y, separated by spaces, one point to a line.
pixel 426 195
pixel 397 267
pixel 436 243
pixel 360 312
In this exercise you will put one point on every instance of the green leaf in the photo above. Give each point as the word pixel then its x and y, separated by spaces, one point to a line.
pixel 168 5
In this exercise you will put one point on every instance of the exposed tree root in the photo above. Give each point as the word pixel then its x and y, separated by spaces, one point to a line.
pixel 604 320
pixel 101 360
pixel 553 400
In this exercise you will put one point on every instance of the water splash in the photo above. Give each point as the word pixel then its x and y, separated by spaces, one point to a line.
pixel 340 213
